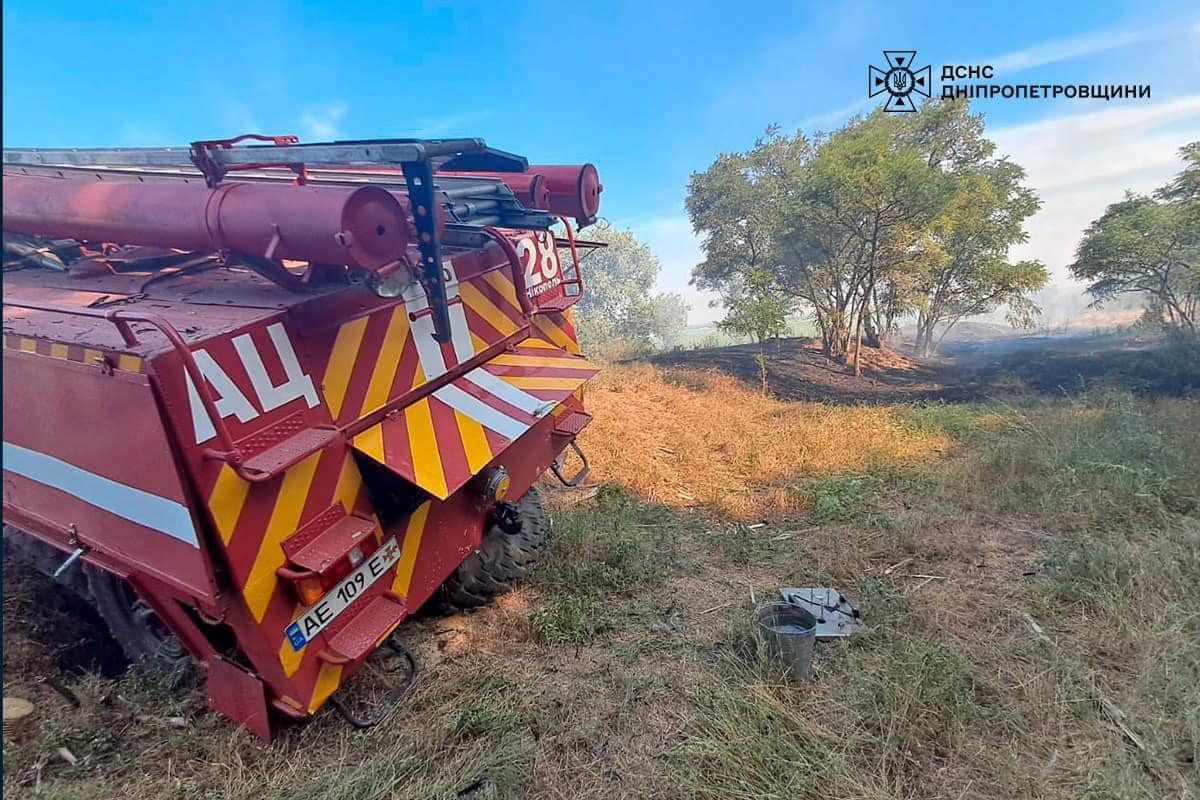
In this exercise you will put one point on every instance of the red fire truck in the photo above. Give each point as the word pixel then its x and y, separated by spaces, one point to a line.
pixel 263 399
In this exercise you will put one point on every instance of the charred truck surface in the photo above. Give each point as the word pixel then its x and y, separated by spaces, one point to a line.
pixel 263 401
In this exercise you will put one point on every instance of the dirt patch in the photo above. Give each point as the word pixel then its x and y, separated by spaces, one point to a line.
pixel 797 370
pixel 987 361
pixel 51 633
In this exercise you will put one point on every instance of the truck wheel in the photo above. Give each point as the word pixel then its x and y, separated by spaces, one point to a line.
pixel 504 557
pixel 135 626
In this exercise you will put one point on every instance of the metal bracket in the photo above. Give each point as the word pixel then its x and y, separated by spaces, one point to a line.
pixel 418 175
pixel 80 551
pixel 393 697
pixel 214 172
pixel 579 476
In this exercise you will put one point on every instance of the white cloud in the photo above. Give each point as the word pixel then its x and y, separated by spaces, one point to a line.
pixel 453 123
pixel 237 118
pixel 321 122
pixel 1079 163
pixel 1073 47
pixel 837 116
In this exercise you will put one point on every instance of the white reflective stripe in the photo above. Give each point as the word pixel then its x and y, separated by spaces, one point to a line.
pixel 433 364
pixel 428 350
pixel 480 411
pixel 460 334
pixel 506 391
pixel 146 509
pixel 296 384
pixel 464 350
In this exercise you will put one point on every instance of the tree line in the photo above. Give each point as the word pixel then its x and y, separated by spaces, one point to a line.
pixel 891 216
pixel 620 313
pixel 1150 245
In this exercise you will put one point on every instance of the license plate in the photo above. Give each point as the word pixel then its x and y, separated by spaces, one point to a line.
pixel 339 598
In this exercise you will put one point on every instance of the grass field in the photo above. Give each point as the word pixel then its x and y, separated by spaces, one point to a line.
pixel 1029 572
pixel 709 335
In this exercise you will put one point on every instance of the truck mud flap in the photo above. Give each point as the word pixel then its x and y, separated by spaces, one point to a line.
pixel 442 440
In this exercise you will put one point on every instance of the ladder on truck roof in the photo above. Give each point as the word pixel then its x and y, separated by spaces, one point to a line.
pixel 473 205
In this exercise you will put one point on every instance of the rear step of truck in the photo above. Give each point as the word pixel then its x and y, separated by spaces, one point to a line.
pixel 365 630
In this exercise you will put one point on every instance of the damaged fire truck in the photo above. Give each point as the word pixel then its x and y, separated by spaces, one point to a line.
pixel 263 399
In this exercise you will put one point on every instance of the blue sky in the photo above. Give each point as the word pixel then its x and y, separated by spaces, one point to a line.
pixel 650 92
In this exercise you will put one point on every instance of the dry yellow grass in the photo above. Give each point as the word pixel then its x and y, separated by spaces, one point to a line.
pixel 689 438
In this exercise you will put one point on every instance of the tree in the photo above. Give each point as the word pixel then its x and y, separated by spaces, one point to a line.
pixel 861 207
pixel 960 267
pixel 1150 245
pixel 737 206
pixel 963 267
pixel 619 305
pixel 890 215
pixel 756 308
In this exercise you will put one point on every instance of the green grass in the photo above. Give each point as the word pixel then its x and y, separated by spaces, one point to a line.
pixel 841 497
pixel 1112 460
pixel 743 545
pixel 1113 480
pixel 615 544
pixel 960 421
pixel 876 716
pixel 1111 483
pixel 569 620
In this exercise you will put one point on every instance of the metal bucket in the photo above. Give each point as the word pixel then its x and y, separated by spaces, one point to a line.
pixel 789 633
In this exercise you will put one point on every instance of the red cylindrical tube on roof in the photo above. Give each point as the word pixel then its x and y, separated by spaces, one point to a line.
pixel 574 190
pixel 364 227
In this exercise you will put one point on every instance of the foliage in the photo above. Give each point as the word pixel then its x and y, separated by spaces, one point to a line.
pixel 571 620
pixel 885 217
pixel 855 217
pixel 1150 245
pixel 839 497
pixel 756 308
pixel 737 204
pixel 963 266
pixel 619 305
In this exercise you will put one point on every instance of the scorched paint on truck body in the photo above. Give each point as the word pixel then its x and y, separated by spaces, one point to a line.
pixel 279 393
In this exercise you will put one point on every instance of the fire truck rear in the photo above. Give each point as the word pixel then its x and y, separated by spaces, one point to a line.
pixel 263 400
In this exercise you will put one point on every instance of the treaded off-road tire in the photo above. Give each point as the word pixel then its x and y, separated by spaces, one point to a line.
pixel 502 560
pixel 139 631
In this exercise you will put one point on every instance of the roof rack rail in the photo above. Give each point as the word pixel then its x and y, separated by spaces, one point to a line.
pixel 417 160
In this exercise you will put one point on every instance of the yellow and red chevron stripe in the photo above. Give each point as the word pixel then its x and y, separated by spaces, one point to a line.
pixel 436 446
pixel 375 359
pixel 542 370
pixel 558 327
pixel 72 352
pixel 253 520
pixel 442 440
pixel 437 442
